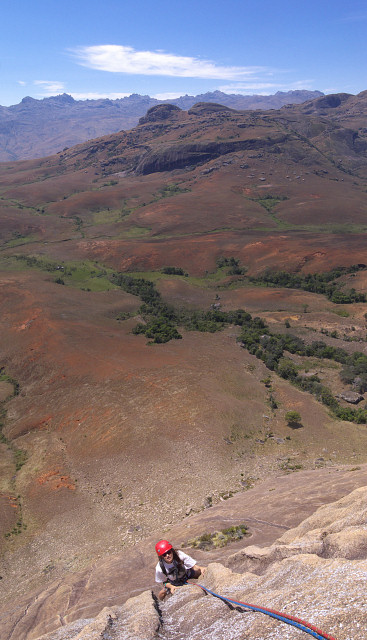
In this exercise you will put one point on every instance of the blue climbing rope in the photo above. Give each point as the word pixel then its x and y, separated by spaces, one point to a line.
pixel 283 617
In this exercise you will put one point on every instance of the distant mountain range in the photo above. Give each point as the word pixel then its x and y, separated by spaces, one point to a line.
pixel 36 128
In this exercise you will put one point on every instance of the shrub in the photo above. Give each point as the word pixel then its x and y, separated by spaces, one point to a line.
pixel 233 264
pixel 287 369
pixel 174 271
pixel 293 418
pixel 219 538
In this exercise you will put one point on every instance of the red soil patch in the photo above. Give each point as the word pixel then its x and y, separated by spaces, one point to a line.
pixel 55 480
pixel 12 501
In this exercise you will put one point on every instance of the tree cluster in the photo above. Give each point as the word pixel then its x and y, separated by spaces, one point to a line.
pixel 323 283
pixel 174 271
pixel 270 348
pixel 233 264
pixel 161 320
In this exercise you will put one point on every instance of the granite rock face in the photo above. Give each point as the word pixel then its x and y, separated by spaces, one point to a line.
pixel 315 572
pixel 333 531
pixel 179 156
pixel 138 619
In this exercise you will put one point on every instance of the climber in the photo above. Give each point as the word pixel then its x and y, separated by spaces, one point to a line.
pixel 174 568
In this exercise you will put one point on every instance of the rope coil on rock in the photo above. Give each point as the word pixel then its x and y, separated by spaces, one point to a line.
pixel 283 617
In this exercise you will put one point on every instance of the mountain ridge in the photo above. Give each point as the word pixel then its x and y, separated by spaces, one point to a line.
pixel 37 128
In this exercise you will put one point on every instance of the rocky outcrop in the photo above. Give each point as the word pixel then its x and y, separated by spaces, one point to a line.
pixel 179 156
pixel 337 530
pixel 326 554
pixel 161 112
pixel 324 103
pixel 351 397
pixel 138 619
pixel 203 108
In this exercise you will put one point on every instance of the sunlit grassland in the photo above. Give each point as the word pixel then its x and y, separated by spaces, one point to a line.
pixel 82 275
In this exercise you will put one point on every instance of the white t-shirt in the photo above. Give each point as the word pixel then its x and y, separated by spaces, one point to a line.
pixel 187 561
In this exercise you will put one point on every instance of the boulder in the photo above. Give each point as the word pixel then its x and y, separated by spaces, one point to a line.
pixel 350 396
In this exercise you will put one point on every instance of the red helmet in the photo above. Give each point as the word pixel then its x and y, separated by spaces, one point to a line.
pixel 162 547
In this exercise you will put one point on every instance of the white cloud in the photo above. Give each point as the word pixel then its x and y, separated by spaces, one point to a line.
pixel 121 59
pixel 50 87
pixel 22 83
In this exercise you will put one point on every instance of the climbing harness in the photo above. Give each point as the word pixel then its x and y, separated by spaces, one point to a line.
pixel 283 617
pixel 177 575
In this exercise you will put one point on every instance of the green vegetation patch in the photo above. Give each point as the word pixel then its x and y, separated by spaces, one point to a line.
pixel 211 279
pixel 4 377
pixel 323 283
pixel 224 268
pixel 293 418
pixel 289 465
pixel 233 265
pixel 174 271
pixel 342 313
pixel 271 349
pixel 327 283
pixel 82 275
pixel 19 239
pixel 218 539
pixel 20 524
pixel 106 216
pixel 169 190
pixel 136 232
pixel 85 275
pixel 161 320
pixel 110 183
pixel 269 201
pixel 20 456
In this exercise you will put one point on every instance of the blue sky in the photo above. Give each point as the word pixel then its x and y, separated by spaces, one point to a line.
pixel 163 48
